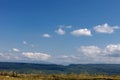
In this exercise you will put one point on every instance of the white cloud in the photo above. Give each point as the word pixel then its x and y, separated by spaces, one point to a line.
pixel 28 44
pixel 81 32
pixel 36 56
pixel 105 28
pixel 95 51
pixel 113 47
pixel 60 31
pixel 70 57
pixel 15 50
pixel 24 42
pixel 65 59
pixel 3 56
pixel 46 35
pixel 90 50
pixel 65 26
pixel 109 54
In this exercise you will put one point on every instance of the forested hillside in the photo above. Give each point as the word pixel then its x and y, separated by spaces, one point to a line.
pixel 53 68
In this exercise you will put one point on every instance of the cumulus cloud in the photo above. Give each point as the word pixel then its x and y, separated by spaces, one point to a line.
pixel 95 51
pixel 113 47
pixel 90 50
pixel 105 28
pixel 46 35
pixel 60 31
pixel 23 56
pixel 81 32
pixel 110 53
pixel 36 56
pixel 15 50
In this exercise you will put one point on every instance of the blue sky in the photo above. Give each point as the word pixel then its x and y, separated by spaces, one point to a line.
pixel 60 31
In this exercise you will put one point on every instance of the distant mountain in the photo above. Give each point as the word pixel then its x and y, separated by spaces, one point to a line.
pixel 53 68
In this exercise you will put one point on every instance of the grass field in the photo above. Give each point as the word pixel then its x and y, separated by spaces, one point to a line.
pixel 58 77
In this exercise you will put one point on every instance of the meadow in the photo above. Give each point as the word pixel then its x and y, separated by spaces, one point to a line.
pixel 85 76
pixel 30 71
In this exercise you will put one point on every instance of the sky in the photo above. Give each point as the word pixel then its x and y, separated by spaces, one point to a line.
pixel 60 31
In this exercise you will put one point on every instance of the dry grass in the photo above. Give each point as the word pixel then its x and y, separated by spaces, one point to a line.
pixel 58 77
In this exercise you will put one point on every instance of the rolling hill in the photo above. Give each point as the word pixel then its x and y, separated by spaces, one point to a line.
pixel 53 68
